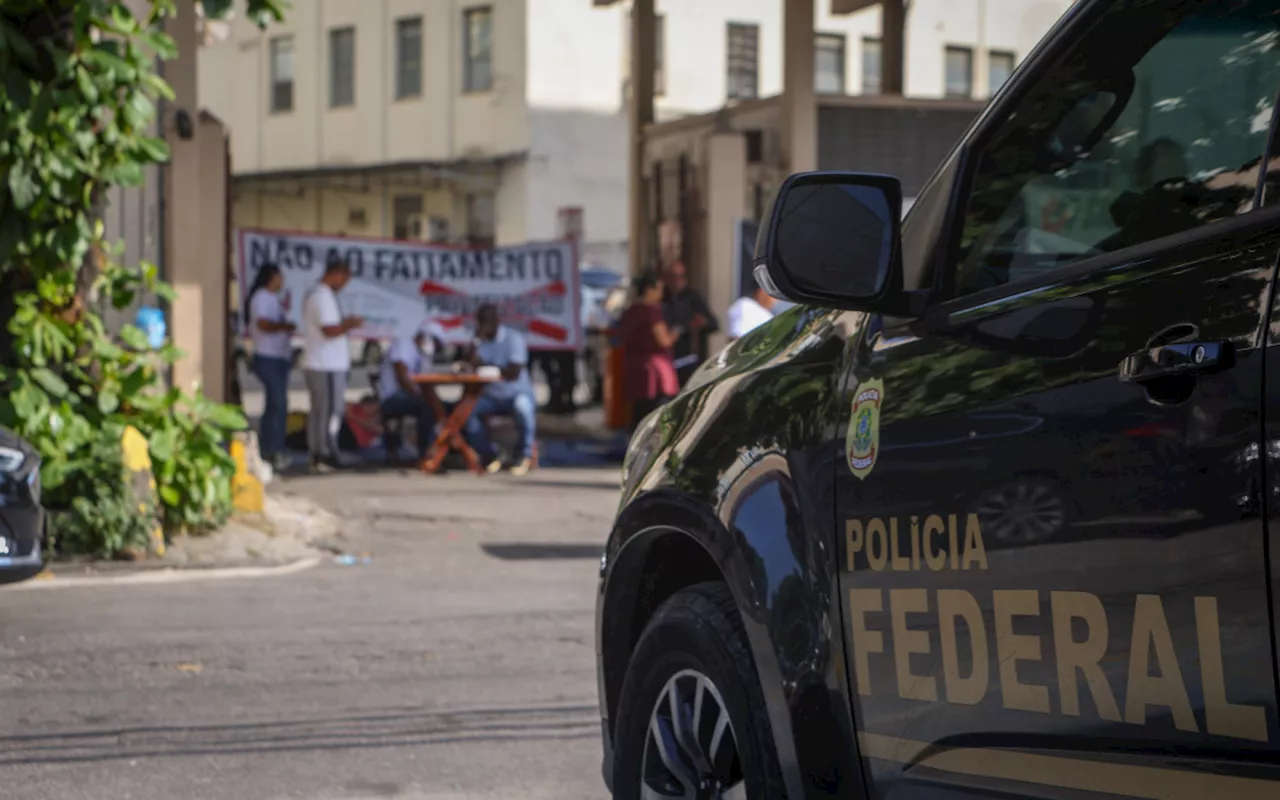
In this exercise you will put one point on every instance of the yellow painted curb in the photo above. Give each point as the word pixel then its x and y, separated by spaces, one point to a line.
pixel 246 490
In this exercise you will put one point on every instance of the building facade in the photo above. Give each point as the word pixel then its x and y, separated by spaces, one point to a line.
pixel 471 122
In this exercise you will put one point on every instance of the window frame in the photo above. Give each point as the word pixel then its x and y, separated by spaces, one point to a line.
pixel 273 80
pixel 336 36
pixel 941 260
pixel 732 59
pixel 402 24
pixel 879 61
pixel 992 55
pixel 470 80
pixel 398 201
pixel 947 52
pixel 842 54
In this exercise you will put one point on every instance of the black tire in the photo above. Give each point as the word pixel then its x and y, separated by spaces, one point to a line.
pixel 697 630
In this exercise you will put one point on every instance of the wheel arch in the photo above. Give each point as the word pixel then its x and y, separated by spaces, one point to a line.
pixel 662 543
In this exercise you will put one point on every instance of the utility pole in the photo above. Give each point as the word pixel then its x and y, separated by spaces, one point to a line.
pixel 893 52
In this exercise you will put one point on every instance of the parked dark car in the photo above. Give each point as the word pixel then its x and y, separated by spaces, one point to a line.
pixel 995 511
pixel 22 518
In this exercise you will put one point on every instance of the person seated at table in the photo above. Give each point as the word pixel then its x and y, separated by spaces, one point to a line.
pixel 498 346
pixel 401 397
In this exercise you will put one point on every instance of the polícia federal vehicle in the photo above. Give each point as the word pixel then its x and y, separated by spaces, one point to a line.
pixel 994 512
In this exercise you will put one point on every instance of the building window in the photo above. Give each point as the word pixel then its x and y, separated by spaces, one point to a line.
pixel 999 68
pixel 342 67
pixel 281 74
pixel 872 55
pixel 406 210
pixel 959 72
pixel 659 55
pixel 828 63
pixel 744 61
pixel 755 146
pixel 408 57
pixel 477 49
pixel 480 220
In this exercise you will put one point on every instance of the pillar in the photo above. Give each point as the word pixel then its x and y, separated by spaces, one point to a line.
pixel 799 100
pixel 893 28
pixel 640 116
pixel 195 213
pixel 726 186
pixel 182 203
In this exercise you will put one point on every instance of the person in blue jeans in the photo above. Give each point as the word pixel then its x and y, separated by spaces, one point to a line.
pixel 410 356
pixel 271 332
pixel 502 347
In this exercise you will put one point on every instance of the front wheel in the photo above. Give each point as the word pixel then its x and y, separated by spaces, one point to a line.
pixel 691 719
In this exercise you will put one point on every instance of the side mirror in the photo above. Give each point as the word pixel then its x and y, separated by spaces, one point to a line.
pixel 833 239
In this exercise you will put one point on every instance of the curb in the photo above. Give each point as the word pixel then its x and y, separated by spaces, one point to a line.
pixel 49 580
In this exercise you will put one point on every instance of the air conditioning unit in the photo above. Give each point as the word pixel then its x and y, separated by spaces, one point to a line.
pixel 424 228
pixel 438 229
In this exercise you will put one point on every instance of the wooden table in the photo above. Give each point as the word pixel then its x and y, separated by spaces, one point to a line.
pixel 451 437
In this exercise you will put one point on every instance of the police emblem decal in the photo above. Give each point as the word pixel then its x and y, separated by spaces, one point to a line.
pixel 862 444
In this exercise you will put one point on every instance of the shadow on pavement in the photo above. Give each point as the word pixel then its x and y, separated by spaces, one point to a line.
pixel 535 551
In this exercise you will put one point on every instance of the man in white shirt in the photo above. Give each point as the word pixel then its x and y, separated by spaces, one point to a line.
pixel 749 312
pixel 401 397
pixel 326 362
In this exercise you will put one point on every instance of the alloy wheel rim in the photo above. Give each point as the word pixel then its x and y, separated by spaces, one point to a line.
pixel 1022 513
pixel 691 751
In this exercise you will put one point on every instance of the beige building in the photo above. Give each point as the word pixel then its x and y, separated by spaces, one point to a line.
pixel 469 121
pixel 401 118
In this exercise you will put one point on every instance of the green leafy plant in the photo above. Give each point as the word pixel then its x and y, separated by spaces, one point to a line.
pixel 76 106
pixel 106 516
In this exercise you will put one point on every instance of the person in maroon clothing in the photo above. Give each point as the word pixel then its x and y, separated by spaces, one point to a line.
pixel 648 374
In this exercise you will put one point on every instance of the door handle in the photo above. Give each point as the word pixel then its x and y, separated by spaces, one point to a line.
pixel 1181 359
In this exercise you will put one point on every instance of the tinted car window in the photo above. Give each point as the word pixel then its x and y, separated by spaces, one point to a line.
pixel 1102 155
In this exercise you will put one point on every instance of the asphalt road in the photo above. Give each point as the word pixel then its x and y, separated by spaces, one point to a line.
pixel 458 664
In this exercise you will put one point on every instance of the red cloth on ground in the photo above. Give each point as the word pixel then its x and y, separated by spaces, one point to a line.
pixel 647 370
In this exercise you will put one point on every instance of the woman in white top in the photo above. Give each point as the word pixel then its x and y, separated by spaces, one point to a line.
pixel 272 358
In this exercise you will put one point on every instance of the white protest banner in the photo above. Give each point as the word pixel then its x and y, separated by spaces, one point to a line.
pixel 396 286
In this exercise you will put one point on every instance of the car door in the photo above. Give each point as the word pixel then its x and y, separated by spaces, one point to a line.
pixel 1054 561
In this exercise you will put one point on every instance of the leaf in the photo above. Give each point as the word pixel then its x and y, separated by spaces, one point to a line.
pixel 22 186
pixel 134 382
pixel 108 402
pixel 127 173
pixel 227 417
pixel 163 444
pixel 107 350
pixel 50 381
pixel 134 338
pixel 170 496
pixel 84 81
pixel 153 149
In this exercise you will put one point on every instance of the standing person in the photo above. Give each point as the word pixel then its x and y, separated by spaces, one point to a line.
pixel 502 347
pixel 684 307
pixel 648 374
pixel 410 356
pixel 272 359
pixel 326 363
pixel 749 312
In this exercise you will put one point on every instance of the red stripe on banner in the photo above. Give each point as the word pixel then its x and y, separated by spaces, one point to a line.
pixel 431 287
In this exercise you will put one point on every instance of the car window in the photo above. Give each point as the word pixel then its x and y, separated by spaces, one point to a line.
pixel 1153 125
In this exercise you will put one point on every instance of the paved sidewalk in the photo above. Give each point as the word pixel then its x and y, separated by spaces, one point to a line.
pixel 290 529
